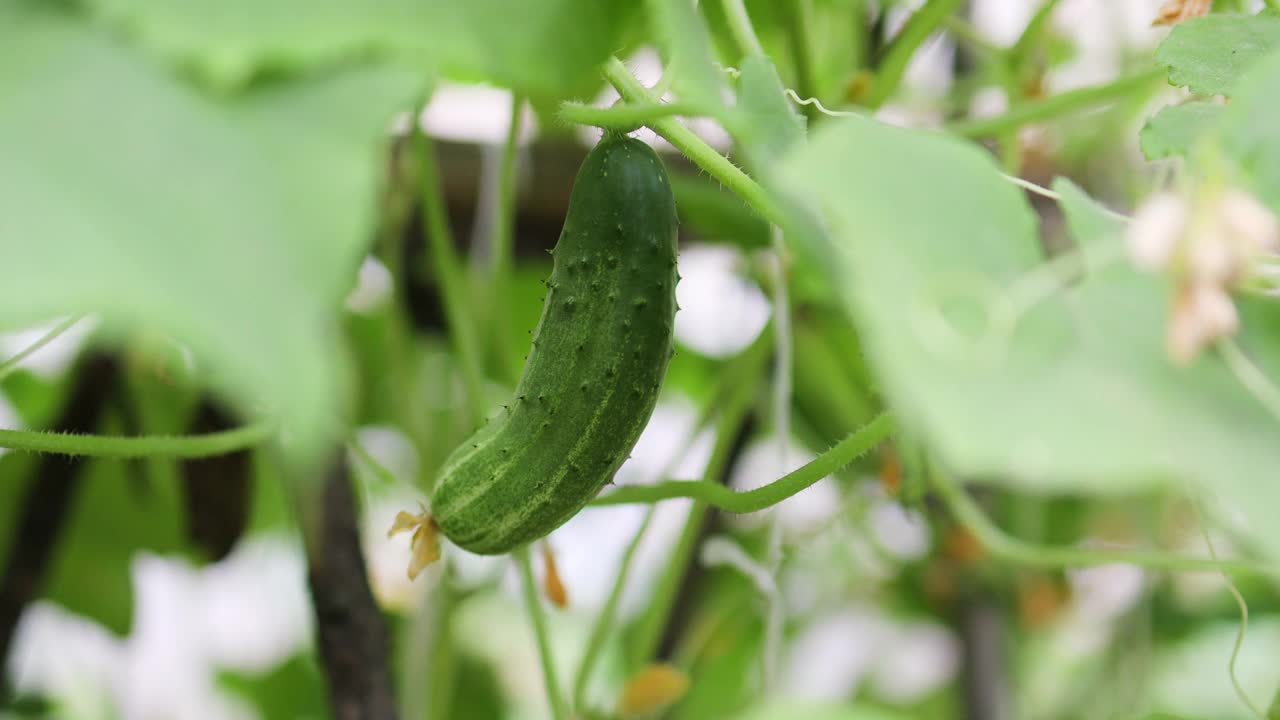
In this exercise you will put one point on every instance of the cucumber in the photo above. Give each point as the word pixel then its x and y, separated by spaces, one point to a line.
pixel 592 378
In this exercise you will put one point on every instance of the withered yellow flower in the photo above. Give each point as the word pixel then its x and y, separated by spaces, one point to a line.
pixel 425 543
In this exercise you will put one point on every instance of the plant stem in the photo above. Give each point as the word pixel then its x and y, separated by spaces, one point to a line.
pixel 109 446
pixel 1032 32
pixel 503 247
pixel 531 599
pixel 351 633
pixel 448 271
pixel 784 350
pixel 1055 106
pixel 733 415
pixel 8 366
pixel 739 21
pixel 604 622
pixel 919 27
pixel 721 497
pixel 441 657
pixel 965 30
pixel 996 542
pixel 624 116
pixel 800 31
pixel 702 154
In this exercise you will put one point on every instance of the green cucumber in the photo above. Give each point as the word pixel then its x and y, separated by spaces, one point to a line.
pixel 593 375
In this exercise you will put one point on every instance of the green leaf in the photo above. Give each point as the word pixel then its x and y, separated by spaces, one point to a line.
pixel 548 48
pixel 1249 134
pixel 791 709
pixel 682 33
pixel 1175 129
pixel 1073 394
pixel 767 124
pixel 1209 53
pixel 234 226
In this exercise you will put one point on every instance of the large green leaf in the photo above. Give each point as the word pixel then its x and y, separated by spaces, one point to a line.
pixel 233 226
pixel 933 248
pixel 548 48
pixel 1208 54
pixel 1175 129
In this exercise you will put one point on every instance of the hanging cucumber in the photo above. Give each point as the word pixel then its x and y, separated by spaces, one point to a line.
pixel 593 375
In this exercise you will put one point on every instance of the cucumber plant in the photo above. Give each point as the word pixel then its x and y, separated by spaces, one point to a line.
pixel 911 298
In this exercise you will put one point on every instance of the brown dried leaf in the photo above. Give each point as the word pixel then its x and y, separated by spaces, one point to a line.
pixel 552 585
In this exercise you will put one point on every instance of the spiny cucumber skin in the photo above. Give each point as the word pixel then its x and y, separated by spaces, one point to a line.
pixel 592 378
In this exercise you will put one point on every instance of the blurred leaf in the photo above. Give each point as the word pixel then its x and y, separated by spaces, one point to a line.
pixel 717 214
pixel 1248 132
pixel 235 227
pixel 1190 678
pixel 793 709
pixel 113 517
pixel 295 689
pixel 768 125
pixel 35 398
pixel 1174 129
pixel 829 389
pixel 1207 54
pixel 1076 394
pixel 724 641
pixel 681 32
pixel 546 48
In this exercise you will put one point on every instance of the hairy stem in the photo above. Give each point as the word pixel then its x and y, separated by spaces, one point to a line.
pixel 721 497
pixel 108 446
pixel 698 151
pixel 999 544
pixel 624 117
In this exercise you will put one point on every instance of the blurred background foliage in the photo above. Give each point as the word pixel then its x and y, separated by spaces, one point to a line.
pixel 233 194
